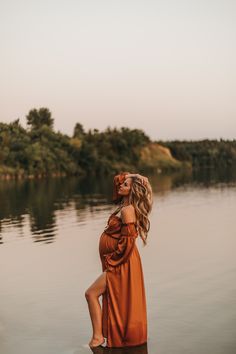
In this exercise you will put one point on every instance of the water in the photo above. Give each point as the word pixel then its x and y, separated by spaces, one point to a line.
pixel 49 256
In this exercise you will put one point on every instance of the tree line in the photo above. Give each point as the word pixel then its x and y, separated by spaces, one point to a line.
pixel 39 151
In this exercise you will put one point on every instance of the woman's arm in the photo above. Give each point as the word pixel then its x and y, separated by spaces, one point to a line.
pixel 121 254
pixel 126 242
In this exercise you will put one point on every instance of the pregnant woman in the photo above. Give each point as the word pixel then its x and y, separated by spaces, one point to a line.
pixel 122 320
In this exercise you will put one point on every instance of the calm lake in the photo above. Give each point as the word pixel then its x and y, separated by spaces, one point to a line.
pixel 49 256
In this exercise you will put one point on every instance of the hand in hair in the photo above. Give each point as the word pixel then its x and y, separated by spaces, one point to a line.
pixel 143 179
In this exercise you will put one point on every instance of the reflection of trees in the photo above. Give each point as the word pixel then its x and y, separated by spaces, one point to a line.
pixel 1 233
pixel 41 199
pixel 41 207
pixel 205 177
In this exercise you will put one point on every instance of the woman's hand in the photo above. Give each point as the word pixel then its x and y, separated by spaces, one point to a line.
pixel 144 179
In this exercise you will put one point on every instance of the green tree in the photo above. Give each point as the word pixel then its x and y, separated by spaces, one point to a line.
pixel 37 118
pixel 78 131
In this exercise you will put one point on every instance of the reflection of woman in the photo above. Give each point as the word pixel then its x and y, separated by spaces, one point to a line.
pixel 141 349
pixel 123 317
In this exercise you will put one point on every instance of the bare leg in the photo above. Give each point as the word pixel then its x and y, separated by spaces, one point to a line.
pixel 92 294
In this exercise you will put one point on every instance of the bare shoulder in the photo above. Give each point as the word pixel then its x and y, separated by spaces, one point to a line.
pixel 128 214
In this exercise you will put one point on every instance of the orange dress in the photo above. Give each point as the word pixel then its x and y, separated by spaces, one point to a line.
pixel 124 316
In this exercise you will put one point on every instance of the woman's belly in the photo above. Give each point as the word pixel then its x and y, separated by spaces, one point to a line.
pixel 107 244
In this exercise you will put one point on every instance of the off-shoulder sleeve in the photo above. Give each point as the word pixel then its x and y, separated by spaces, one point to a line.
pixel 124 248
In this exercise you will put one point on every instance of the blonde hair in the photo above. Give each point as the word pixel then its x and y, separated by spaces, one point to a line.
pixel 140 197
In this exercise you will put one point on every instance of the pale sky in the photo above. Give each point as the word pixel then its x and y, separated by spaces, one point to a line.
pixel 167 67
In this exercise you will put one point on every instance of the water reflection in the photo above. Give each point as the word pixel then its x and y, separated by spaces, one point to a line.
pixel 37 202
pixel 189 265
pixel 141 349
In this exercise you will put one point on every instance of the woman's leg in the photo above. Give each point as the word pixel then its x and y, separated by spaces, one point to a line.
pixel 92 296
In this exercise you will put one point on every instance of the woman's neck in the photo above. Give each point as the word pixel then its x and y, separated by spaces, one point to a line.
pixel 125 201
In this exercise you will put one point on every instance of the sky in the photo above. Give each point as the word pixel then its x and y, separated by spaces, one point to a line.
pixel 167 67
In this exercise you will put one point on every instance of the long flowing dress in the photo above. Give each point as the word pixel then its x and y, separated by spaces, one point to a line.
pixel 124 315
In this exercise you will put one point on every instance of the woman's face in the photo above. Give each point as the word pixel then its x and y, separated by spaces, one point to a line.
pixel 125 187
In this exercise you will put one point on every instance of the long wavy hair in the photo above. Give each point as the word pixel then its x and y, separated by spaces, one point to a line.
pixel 140 197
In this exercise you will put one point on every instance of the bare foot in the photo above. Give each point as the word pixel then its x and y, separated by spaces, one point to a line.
pixel 95 342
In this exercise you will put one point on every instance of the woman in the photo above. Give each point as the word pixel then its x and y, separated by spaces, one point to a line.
pixel 123 317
